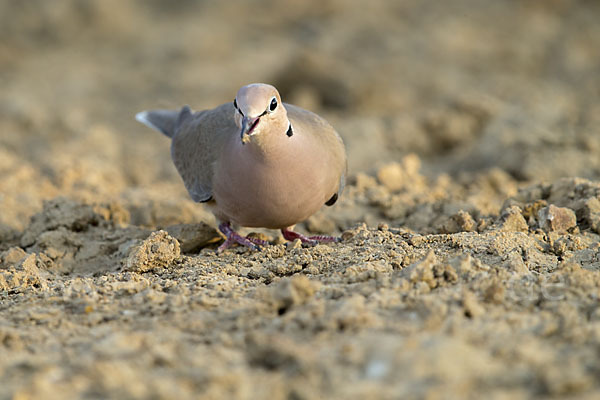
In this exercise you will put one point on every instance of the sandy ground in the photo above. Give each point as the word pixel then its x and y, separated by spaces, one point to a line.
pixel 470 260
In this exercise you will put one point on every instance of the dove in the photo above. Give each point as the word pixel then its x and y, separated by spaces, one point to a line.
pixel 256 161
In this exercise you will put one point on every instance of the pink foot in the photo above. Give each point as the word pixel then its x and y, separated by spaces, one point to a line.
pixel 289 234
pixel 234 237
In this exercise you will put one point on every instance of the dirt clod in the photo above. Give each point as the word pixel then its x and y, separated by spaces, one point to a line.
pixel 557 219
pixel 159 250
pixel 192 237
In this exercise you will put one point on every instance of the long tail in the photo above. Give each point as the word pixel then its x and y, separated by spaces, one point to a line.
pixel 165 121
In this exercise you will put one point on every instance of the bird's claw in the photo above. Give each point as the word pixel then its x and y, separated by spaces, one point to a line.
pixel 234 237
pixel 289 234
pixel 239 240
pixel 257 241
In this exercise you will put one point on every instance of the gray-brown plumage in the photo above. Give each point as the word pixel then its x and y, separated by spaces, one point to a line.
pixel 259 162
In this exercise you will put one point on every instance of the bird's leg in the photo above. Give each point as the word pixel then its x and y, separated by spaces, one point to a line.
pixel 289 234
pixel 234 237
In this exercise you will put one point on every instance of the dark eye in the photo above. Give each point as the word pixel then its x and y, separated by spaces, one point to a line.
pixel 273 104
pixel 235 103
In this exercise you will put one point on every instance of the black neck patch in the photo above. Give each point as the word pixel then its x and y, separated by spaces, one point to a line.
pixel 332 200
pixel 290 132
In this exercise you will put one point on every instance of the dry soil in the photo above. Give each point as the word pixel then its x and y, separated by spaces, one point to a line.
pixel 470 260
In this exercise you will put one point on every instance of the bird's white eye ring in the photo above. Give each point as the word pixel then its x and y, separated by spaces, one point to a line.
pixel 273 105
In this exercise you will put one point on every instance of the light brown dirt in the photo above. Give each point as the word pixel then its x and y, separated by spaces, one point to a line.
pixel 470 260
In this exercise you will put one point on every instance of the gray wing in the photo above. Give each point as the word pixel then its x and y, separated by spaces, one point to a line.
pixel 196 145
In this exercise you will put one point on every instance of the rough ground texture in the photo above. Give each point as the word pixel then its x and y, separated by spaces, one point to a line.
pixel 470 260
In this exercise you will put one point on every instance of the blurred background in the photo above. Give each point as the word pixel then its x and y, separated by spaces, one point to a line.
pixel 467 85
pixel 447 108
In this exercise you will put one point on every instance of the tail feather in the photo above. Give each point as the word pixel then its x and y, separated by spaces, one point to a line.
pixel 165 121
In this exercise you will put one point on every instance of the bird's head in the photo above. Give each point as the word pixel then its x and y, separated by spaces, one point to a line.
pixel 259 110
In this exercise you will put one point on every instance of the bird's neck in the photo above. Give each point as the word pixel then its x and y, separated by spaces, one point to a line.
pixel 272 145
